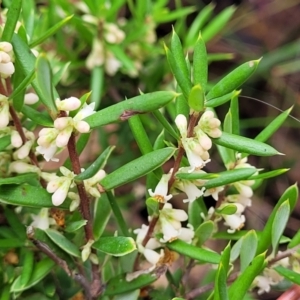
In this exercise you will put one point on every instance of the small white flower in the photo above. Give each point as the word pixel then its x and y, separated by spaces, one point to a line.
pixel 214 192
pixel 190 189
pixel 60 186
pixel 263 284
pixel 68 104
pixel 47 143
pixel 161 190
pixel 75 201
pixel 187 234
pixel 15 139
pixel 96 57
pixel 4 110
pixel 30 98
pixel 21 167
pixel 6 69
pixel 152 256
pixel 86 251
pixel 41 220
pixel 90 184
pixel 209 124
pixel 235 221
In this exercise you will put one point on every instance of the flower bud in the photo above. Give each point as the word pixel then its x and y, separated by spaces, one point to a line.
pixel 68 104
pixel 22 167
pixel 16 139
pixel 30 98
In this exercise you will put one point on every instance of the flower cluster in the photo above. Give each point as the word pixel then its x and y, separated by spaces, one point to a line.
pixel 50 139
pixel 6 60
pixel 196 147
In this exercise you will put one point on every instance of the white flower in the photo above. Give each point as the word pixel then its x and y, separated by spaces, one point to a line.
pixel 6 66
pixel 68 104
pixel 90 184
pixel 161 190
pixel 24 150
pixel 86 251
pixel 187 234
pixel 238 198
pixel 4 110
pixel 41 220
pixel 47 143
pixel 15 139
pixel 141 234
pixel 214 192
pixel 30 98
pixel 152 256
pixel 170 222
pixel 112 64
pixel 190 189
pixel 209 124
pixel 235 221
pixel 263 284
pixel 96 57
pixel 60 186
pixel 113 34
pixel 75 201
pixel 21 167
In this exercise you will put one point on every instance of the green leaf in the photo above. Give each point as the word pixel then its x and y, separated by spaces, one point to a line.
pixel 295 240
pixel 11 243
pixel 15 224
pixel 137 168
pixel 97 82
pixel 40 270
pixel 194 211
pixel 164 16
pixel 243 144
pixel 23 178
pixel 119 284
pixel 196 98
pixel 74 226
pixel 218 23
pixel 23 85
pixel 62 242
pixel 164 122
pixel 183 81
pixel 220 292
pixel 233 80
pixel 241 285
pixel 133 295
pixel 140 134
pixel 177 51
pixel 128 108
pixel 222 99
pixel 248 249
pixel 102 212
pixel 267 132
pixel 194 252
pixel 204 232
pixel 265 239
pixel 225 258
pixel 27 195
pixel 229 177
pixel 97 165
pixel 40 118
pixel 12 19
pixel 44 81
pixel 280 220
pixel 234 110
pixel 229 209
pixel 200 64
pixel 288 274
pixel 51 31
pixel 57 76
pixel 198 23
pixel 27 267
pixel 115 245
pixel 4 142
pixel 269 174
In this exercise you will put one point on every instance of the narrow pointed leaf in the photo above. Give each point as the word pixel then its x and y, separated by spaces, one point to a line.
pixel 130 107
pixel 44 81
pixel 28 195
pixel 269 174
pixel 234 109
pixel 27 267
pixel 222 99
pixel 218 23
pixel 242 284
pixel 183 81
pixel 199 254
pixel 102 213
pixel 200 64
pixel 62 242
pixel 265 239
pixel 177 51
pixel 248 249
pixel 243 144
pixel 229 209
pixel 295 240
pixel 137 168
pixel 231 176
pixel 12 19
pixel 97 165
pixel 280 220
pixel 51 31
pixel 40 270
pixel 268 131
pixel 15 223
pixel 74 226
pixel 220 292
pixel 40 118
pixel 115 245
pixel 233 80
pixel 288 274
